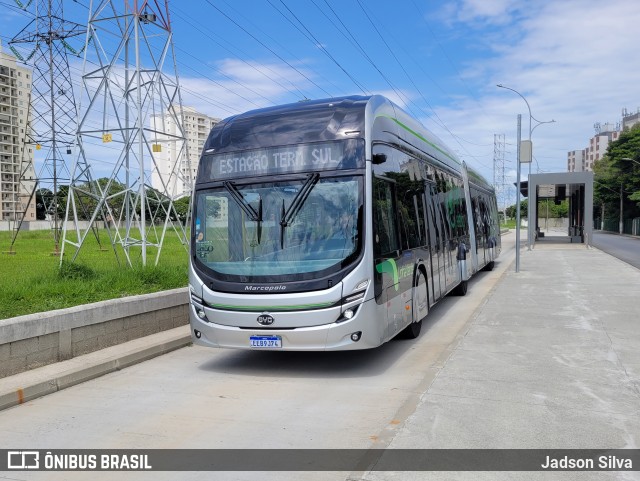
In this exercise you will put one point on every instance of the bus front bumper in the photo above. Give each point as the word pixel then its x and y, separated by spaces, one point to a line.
pixel 359 332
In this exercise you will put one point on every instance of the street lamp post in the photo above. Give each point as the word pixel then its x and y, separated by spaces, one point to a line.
pixel 621 223
pixel 518 199
pixel 529 160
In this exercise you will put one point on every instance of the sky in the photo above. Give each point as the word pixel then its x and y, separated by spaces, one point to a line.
pixel 574 61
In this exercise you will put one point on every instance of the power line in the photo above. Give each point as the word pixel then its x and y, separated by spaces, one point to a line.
pixel 318 44
pixel 255 27
pixel 270 50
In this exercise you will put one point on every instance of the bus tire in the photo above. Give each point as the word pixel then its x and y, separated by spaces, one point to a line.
pixel 489 267
pixel 420 302
pixel 412 331
pixel 460 289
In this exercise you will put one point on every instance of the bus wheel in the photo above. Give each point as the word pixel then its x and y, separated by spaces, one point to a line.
pixel 489 266
pixel 420 308
pixel 460 289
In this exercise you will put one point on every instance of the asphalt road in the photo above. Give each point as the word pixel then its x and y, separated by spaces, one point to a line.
pixel 625 248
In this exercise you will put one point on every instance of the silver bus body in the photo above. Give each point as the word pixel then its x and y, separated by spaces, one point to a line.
pixel 425 224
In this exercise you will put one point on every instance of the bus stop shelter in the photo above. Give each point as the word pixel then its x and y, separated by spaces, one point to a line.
pixel 578 188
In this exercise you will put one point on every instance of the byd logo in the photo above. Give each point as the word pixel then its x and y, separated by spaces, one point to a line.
pixel 265 319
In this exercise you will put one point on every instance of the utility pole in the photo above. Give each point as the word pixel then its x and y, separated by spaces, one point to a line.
pixel 621 224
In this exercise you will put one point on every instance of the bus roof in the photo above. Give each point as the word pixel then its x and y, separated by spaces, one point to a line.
pixel 306 121
pixel 319 120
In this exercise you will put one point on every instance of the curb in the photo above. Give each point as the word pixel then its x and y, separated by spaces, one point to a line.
pixel 26 386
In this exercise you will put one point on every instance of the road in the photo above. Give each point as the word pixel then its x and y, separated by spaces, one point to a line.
pixel 206 398
pixel 624 248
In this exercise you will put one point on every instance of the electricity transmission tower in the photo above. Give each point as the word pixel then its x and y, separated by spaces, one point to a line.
pixel 499 182
pixel 52 108
pixel 133 111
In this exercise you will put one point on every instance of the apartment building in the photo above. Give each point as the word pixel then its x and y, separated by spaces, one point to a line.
pixel 196 130
pixel 583 160
pixel 17 175
pixel 576 161
pixel 629 119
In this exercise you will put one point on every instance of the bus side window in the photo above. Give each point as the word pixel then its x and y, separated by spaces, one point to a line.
pixel 385 239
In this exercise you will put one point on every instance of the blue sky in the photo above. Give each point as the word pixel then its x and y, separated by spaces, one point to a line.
pixel 575 61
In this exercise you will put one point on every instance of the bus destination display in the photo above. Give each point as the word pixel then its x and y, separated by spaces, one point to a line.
pixel 278 160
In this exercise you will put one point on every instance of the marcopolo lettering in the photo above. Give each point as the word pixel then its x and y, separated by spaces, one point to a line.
pixel 265 288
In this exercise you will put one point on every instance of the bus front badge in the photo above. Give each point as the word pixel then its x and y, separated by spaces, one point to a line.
pixel 265 319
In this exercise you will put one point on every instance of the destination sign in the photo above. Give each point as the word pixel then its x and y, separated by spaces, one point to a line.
pixel 295 158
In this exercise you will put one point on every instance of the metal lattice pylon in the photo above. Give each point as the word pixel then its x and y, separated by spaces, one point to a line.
pixel 52 119
pixel 499 182
pixel 131 90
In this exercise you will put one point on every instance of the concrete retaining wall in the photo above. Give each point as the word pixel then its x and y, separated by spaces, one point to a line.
pixel 31 341
pixel 28 225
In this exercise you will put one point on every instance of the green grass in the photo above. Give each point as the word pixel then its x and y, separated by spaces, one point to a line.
pixel 33 280
pixel 509 224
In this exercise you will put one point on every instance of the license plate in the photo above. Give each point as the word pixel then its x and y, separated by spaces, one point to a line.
pixel 265 341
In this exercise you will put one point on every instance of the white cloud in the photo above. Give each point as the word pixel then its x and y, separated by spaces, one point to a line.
pixel 493 12
pixel 239 86
pixel 575 61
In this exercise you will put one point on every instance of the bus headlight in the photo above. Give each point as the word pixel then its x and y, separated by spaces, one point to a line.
pixel 348 314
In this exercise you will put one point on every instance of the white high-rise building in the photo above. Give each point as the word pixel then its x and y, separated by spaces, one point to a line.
pixel 576 161
pixel 196 130
pixel 583 160
pixel 17 175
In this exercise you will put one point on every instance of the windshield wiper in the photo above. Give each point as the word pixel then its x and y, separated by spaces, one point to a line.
pixel 253 214
pixel 298 201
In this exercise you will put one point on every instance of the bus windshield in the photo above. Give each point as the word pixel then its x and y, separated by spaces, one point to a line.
pixel 302 228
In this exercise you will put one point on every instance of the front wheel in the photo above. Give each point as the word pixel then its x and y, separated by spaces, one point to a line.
pixel 420 308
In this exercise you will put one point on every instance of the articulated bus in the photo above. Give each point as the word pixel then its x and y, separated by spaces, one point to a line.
pixel 331 225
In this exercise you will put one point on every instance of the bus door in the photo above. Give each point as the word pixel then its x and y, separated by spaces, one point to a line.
pixel 391 282
pixel 422 210
pixel 450 277
pixel 483 234
pixel 481 238
pixel 436 244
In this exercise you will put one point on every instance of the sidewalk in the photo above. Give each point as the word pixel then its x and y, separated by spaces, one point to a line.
pixel 551 360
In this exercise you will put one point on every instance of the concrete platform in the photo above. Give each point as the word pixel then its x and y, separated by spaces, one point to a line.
pixel 551 360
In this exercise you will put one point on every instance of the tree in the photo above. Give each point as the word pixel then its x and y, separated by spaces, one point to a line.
pixel 548 208
pixel 524 206
pixel 43 199
pixel 617 175
pixel 181 206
